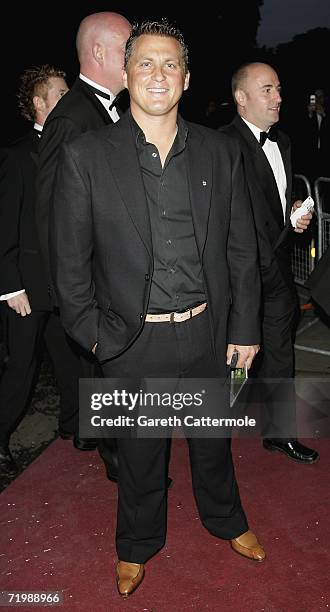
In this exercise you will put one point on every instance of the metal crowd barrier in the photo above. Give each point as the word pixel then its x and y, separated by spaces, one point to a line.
pixel 305 255
pixel 322 201
pixel 303 252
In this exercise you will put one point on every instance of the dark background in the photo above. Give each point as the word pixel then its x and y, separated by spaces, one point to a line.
pixel 219 40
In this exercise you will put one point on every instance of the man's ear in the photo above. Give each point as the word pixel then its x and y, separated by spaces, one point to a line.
pixel 39 103
pixel 186 81
pixel 98 53
pixel 125 78
pixel 240 97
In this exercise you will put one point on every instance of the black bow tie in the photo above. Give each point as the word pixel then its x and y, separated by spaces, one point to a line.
pixel 271 134
pixel 116 100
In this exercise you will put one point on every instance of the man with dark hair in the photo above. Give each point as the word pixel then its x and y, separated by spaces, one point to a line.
pixel 311 137
pixel 173 288
pixel 100 43
pixel 23 282
pixel 266 152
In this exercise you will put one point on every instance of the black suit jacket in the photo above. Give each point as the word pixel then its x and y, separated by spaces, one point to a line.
pixel 77 112
pixel 21 265
pixel 309 158
pixel 101 245
pixel 273 233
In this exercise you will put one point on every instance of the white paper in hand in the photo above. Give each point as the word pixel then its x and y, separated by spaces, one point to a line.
pixel 305 208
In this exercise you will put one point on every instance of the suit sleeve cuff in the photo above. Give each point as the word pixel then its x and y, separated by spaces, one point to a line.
pixel 7 296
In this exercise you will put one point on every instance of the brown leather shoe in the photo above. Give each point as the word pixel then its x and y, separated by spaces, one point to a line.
pixel 248 546
pixel 129 576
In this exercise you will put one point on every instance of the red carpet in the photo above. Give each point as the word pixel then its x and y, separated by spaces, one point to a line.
pixel 57 533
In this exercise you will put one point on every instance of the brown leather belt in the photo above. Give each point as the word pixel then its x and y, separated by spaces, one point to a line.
pixel 176 317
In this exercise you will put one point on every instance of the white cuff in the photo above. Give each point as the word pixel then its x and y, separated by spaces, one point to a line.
pixel 7 296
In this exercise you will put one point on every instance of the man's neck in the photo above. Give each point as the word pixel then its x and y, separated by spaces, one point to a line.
pixel 158 130
pixel 95 83
pixel 262 128
pixel 40 118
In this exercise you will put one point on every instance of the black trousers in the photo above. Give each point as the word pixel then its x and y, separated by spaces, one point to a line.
pixel 23 337
pixel 273 367
pixel 171 350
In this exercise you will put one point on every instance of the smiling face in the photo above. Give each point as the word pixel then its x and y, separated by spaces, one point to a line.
pixel 155 76
pixel 258 96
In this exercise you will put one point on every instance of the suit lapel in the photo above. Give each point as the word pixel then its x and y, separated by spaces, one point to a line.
pixel 285 152
pixel 92 97
pixel 199 173
pixel 125 167
pixel 263 173
pixel 34 145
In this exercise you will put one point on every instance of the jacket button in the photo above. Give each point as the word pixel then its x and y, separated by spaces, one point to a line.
pixel 147 277
pixel 141 315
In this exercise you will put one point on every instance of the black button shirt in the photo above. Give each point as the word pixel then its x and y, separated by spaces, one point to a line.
pixel 177 282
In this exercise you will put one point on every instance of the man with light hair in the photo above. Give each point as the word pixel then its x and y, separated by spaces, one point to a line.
pixel 100 45
pixel 23 283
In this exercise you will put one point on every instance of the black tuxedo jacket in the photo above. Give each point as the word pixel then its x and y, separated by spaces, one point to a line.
pixel 273 233
pixel 101 244
pixel 77 112
pixel 318 159
pixel 21 265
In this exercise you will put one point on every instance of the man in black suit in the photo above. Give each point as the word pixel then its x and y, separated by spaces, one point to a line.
pixel 155 265
pixel 311 138
pixel 23 281
pixel 257 92
pixel 100 45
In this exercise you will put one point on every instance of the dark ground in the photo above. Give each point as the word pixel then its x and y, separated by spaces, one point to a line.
pixel 39 426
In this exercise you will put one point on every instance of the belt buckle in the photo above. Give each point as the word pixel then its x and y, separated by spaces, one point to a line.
pixel 172 317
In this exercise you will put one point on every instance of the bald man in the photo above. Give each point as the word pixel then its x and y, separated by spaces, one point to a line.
pixel 100 47
pixel 266 153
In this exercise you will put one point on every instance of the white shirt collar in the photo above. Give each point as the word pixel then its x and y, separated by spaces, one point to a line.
pixel 100 87
pixel 105 103
pixel 256 131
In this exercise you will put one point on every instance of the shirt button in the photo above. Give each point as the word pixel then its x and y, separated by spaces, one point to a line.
pixel 163 213
pixel 154 154
pixel 169 241
pixel 172 270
